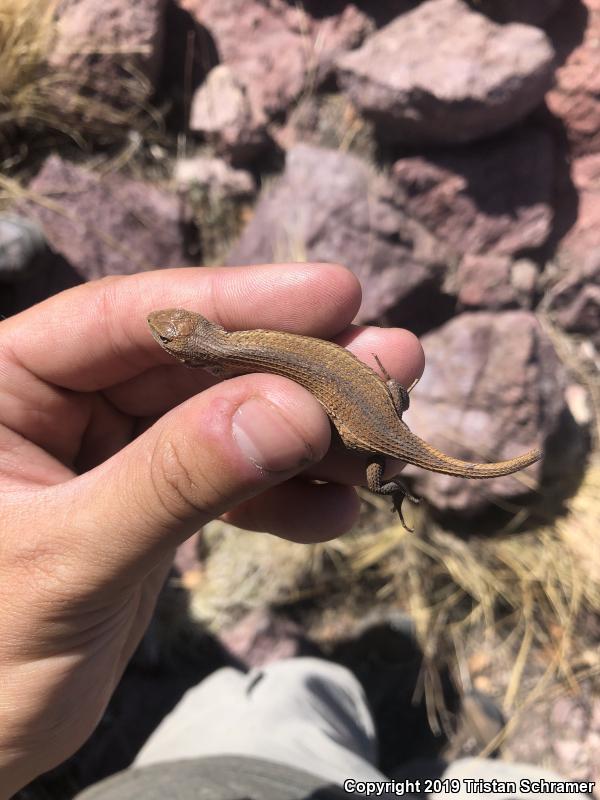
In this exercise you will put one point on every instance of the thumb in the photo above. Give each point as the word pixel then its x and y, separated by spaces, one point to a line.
pixel 204 457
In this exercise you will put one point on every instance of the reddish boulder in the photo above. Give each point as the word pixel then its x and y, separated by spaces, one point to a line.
pixel 443 73
pixel 331 206
pixel 277 49
pixel 575 97
pixel 222 112
pixel 491 198
pixel 584 234
pixel 108 45
pixel 495 282
pixel 105 224
pixel 574 299
pixel 492 389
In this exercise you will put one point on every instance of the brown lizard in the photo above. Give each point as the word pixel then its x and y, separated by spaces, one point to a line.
pixel 365 409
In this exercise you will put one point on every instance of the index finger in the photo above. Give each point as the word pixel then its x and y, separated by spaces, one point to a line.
pixel 95 335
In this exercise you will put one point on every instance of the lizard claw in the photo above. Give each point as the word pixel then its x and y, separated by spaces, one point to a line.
pixel 397 499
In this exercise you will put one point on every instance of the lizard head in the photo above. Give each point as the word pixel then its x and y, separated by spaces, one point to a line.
pixel 176 330
pixel 171 324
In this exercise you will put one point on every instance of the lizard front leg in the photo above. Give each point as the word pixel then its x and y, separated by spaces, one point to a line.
pixel 393 487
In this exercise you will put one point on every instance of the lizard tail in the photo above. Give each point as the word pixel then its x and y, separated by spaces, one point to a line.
pixel 424 455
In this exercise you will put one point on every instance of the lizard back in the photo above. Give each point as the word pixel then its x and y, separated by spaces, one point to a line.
pixel 358 402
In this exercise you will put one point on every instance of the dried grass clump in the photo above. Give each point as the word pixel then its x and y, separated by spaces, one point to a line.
pixel 530 591
pixel 35 98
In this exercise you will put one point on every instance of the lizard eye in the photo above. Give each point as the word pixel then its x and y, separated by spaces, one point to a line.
pixel 165 339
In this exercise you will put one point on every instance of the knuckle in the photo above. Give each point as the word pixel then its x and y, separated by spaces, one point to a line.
pixel 181 488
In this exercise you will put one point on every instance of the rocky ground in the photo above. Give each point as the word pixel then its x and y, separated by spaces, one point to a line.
pixel 448 152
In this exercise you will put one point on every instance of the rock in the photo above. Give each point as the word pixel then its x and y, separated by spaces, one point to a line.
pixel 105 225
pixel 576 744
pixel 215 175
pixel 277 49
pixel 215 204
pixel 574 300
pixel 330 206
pixel 108 45
pixel 562 732
pixel 575 96
pixel 492 389
pixel 222 112
pixel 443 73
pixel 260 638
pixel 23 251
pixel 530 12
pixel 584 234
pixel 495 282
pixel 492 198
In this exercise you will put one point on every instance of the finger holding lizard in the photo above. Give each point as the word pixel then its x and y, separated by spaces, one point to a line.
pixel 95 495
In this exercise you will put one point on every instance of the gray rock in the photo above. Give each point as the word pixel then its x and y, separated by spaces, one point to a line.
pixel 330 206
pixel 23 251
pixel 443 73
pixel 493 387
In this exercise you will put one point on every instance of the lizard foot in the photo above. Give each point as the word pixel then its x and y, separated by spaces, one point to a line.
pixel 393 487
pixel 398 494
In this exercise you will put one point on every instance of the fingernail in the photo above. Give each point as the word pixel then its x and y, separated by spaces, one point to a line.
pixel 267 438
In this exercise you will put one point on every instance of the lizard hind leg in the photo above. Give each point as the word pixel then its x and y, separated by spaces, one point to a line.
pixel 399 394
pixel 393 487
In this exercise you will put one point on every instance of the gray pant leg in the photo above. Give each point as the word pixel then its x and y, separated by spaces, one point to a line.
pixel 304 712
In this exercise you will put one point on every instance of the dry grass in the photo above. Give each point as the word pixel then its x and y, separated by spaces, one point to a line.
pixel 35 98
pixel 529 592
pixel 523 596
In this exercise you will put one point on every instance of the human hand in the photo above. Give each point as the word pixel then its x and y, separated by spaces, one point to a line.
pixel 111 456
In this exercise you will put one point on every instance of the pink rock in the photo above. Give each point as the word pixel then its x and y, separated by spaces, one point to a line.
pixel 107 44
pixel 575 97
pixel 492 198
pixel 574 300
pixel 573 296
pixel 492 389
pixel 221 110
pixel 260 638
pixel 495 282
pixel 214 175
pixel 330 206
pixel 444 73
pixel 277 49
pixel 106 225
pixel 584 235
